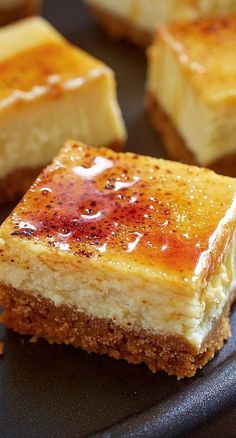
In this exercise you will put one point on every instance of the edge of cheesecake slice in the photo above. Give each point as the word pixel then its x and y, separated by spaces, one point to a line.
pixel 120 26
pixel 138 20
pixel 123 254
pixel 65 91
pixel 193 108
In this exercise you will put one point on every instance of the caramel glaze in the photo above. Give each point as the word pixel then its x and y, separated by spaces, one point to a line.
pixel 58 61
pixel 98 203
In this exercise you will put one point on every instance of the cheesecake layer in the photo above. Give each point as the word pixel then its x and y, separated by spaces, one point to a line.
pixel 115 297
pixel 40 318
pixel 145 243
pixel 42 121
pixel 146 15
pixel 56 97
pixel 175 145
pixel 199 96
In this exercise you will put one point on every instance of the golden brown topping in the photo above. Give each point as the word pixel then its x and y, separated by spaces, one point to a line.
pixel 50 64
pixel 206 49
pixel 96 203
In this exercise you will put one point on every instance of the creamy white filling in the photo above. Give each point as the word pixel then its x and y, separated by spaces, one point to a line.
pixel 129 301
pixel 148 14
pixel 217 293
pixel 32 133
pixel 208 130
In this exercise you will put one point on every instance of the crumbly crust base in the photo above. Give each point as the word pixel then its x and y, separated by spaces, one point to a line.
pixel 40 318
pixel 25 9
pixel 120 28
pixel 176 146
pixel 15 185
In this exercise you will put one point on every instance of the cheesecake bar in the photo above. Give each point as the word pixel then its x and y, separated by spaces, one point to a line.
pixel 191 91
pixel 11 10
pixel 125 255
pixel 49 91
pixel 138 19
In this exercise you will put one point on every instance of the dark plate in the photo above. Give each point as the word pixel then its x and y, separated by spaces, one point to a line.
pixel 56 391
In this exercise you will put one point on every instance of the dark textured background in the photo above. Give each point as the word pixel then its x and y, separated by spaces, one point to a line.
pixel 55 391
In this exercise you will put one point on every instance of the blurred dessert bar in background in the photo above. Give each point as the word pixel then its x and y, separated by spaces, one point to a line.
pixel 191 91
pixel 138 19
pixel 50 91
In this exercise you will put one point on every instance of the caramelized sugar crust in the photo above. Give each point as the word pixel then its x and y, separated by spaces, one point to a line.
pixel 50 64
pixel 126 208
pixel 15 185
pixel 192 43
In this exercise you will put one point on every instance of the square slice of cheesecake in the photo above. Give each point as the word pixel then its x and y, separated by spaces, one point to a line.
pixel 49 91
pixel 191 91
pixel 123 254
pixel 137 19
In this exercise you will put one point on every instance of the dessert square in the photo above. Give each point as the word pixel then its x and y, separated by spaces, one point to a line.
pixel 137 20
pixel 123 254
pixel 191 91
pixel 49 91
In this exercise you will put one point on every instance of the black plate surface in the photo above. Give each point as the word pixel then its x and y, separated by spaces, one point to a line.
pixel 56 391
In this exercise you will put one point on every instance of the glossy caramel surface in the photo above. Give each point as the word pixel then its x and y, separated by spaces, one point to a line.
pixel 126 208
pixel 47 65
pixel 206 50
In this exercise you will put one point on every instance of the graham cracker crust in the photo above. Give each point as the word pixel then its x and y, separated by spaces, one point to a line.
pixel 121 28
pixel 25 9
pixel 13 186
pixel 40 318
pixel 176 146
